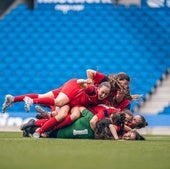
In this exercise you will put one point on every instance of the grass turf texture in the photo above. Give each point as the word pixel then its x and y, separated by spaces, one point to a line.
pixel 17 152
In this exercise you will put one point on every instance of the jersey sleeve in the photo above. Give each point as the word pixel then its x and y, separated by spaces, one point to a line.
pixel 99 77
pixel 125 104
pixel 91 90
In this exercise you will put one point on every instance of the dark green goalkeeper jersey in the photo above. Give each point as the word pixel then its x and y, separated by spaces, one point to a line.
pixel 80 129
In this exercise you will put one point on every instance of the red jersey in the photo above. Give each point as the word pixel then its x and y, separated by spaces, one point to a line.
pixel 56 92
pixel 125 104
pixel 102 111
pixel 99 78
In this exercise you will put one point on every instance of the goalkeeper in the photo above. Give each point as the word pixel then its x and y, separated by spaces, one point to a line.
pixel 80 128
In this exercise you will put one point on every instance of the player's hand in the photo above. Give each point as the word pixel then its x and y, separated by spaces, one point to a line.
pixel 89 81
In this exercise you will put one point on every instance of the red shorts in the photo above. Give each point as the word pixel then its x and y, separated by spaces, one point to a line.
pixel 71 88
pixel 56 92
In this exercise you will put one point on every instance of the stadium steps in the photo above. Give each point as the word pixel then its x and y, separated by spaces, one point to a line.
pixel 159 99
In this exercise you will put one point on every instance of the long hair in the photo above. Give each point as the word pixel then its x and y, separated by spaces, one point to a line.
pixel 102 130
pixel 114 80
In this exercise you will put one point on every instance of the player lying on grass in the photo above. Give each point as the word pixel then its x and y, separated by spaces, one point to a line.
pixel 110 128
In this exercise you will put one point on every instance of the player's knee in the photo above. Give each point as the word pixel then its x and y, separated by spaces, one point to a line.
pixel 59 102
pixel 74 116
pixel 60 116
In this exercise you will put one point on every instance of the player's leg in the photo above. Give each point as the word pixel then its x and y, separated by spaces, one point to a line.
pixel 42 113
pixel 9 99
pixel 30 123
pixel 68 91
pixel 52 121
pixel 50 94
pixel 48 101
pixel 61 99
pixel 72 116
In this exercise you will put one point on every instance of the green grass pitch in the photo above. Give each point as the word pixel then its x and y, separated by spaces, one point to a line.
pixel 17 152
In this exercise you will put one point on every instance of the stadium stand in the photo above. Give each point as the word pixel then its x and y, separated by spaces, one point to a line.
pixel 42 48
pixel 158 98
pixel 166 110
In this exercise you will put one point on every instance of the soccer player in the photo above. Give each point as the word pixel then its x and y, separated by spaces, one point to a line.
pixel 120 96
pixel 138 122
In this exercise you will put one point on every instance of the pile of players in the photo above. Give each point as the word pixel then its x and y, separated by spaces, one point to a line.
pixel 94 108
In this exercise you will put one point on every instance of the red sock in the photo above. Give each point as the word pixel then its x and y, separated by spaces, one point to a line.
pixel 20 98
pixel 40 122
pixel 67 121
pixel 45 101
pixel 48 125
